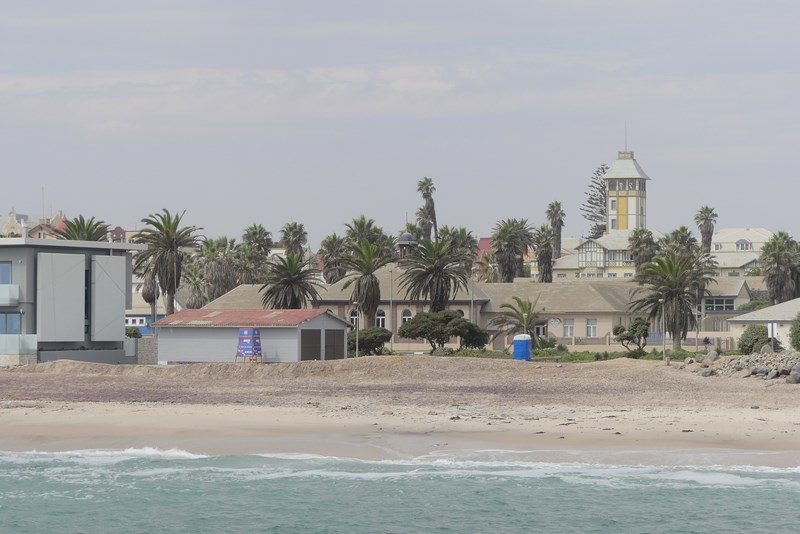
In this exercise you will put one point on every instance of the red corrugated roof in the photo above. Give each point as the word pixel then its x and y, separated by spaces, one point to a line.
pixel 256 318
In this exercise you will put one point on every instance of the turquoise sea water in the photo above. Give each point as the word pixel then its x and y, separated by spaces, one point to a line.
pixel 147 490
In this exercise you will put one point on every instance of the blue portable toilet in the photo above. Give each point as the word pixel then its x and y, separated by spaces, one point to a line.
pixel 522 347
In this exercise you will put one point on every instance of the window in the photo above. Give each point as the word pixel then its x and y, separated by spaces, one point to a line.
pixel 406 316
pixel 612 275
pixel 744 244
pixel 613 204
pixel 628 275
pixel 717 246
pixel 612 185
pixel 733 273
pixel 613 224
pixel 632 185
pixel 10 323
pixel 591 327
pixel 719 304
pixel 354 318
pixel 561 275
pixel 380 319
pixel 5 272
pixel 569 327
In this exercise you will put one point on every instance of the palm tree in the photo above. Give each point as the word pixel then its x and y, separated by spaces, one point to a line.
pixel 81 229
pixel 150 290
pixel 487 269
pixel 258 236
pixel 680 241
pixel 194 281
pixel 218 258
pixel 543 238
pixel 642 246
pixel 462 241
pixel 705 219
pixel 510 242
pixel 555 216
pixel 165 239
pixel 434 272
pixel 362 261
pixel 289 283
pixel 294 237
pixel 250 263
pixel 427 189
pixel 361 229
pixel 519 319
pixel 670 288
pixel 780 263
pixel 332 253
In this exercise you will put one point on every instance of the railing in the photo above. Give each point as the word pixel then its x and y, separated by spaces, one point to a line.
pixel 18 344
pixel 9 295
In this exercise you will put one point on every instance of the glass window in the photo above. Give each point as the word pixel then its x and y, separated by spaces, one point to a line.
pixel 406 316
pixel 10 323
pixel 5 272
pixel 569 327
pixel 591 327
pixel 380 319
pixel 612 185
pixel 613 204
pixel 354 317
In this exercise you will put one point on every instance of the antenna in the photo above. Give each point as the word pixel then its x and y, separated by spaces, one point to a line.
pixel 626 136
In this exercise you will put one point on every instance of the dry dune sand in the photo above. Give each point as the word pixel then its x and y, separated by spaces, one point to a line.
pixel 619 411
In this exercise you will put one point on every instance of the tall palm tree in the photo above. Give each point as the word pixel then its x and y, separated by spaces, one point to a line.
pixel 361 229
pixel 294 237
pixel 165 238
pixel 332 253
pixel 511 240
pixel 150 290
pixel 555 216
pixel 81 229
pixel 543 238
pixel 427 189
pixel 258 236
pixel 642 246
pixel 487 269
pixel 670 289
pixel 250 263
pixel 705 219
pixel 780 263
pixel 434 272
pixel 289 283
pixel 517 319
pixel 362 262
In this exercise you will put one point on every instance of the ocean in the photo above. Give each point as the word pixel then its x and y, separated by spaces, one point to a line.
pixel 168 491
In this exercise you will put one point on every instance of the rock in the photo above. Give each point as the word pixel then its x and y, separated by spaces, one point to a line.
pixel 773 374
pixel 688 360
pixel 763 371
pixel 796 368
pixel 707 372
pixel 698 358
pixel 766 349
pixel 793 378
pixel 711 357
pixel 746 373
pixel 755 407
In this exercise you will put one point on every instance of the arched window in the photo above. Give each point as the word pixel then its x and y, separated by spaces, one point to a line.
pixel 354 317
pixel 743 244
pixel 406 316
pixel 380 319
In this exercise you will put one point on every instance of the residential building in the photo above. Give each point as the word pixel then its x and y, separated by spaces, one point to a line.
pixel 63 299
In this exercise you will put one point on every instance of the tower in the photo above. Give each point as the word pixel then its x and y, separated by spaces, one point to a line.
pixel 626 194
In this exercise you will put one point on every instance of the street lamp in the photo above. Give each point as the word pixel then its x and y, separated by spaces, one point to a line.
pixel 391 309
pixel 358 324
pixel 663 332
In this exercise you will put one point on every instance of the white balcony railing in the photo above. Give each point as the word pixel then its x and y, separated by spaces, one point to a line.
pixel 18 344
pixel 9 295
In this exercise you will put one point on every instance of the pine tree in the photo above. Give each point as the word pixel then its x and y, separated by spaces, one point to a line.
pixel 594 207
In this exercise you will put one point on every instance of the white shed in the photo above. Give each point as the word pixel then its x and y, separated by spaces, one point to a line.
pixel 211 335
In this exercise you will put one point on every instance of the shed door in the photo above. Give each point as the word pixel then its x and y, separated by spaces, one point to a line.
pixel 334 344
pixel 310 345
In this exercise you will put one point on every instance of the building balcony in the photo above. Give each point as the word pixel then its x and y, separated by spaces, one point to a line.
pixel 9 295
pixel 18 344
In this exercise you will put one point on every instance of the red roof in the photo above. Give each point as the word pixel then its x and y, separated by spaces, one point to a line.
pixel 256 318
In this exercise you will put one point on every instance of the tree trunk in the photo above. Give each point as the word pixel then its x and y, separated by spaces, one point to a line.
pixel 170 304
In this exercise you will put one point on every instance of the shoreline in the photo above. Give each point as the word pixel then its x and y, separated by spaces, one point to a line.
pixel 223 430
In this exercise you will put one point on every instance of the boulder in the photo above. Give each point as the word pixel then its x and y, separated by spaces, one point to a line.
pixel 711 357
pixel 766 349
pixel 707 372
pixel 793 378
pixel 688 360
pixel 773 374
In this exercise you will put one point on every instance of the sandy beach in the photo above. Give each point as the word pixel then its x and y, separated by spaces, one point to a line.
pixel 618 411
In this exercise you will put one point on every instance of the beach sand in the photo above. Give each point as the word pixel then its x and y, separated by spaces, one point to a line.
pixel 618 411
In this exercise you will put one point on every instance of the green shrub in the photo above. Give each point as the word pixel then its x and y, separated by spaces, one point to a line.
pixel 754 337
pixel 133 332
pixel 443 351
pixel 370 340
pixel 794 333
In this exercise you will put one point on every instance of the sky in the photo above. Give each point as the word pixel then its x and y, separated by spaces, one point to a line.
pixel 242 112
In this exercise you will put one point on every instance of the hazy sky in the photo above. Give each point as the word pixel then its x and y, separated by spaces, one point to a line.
pixel 318 111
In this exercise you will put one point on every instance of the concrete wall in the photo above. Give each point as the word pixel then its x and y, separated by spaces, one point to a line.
pixel 147 350
pixel 60 297
pixel 219 344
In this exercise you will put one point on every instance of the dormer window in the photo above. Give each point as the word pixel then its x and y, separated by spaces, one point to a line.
pixel 744 244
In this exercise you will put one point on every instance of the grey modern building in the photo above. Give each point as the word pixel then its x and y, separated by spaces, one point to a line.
pixel 64 299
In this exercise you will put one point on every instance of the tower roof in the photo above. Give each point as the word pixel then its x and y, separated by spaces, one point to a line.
pixel 625 166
